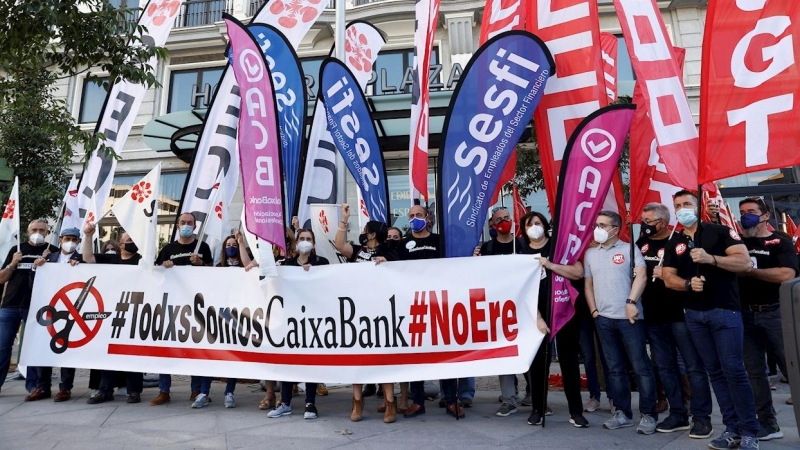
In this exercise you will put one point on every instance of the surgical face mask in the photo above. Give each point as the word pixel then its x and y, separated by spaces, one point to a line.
pixel 686 216
pixel 231 252
pixel 600 235
pixel 186 231
pixel 417 224
pixel 503 227
pixel 304 247
pixel 36 238
pixel 535 232
pixel 110 252
pixel 69 246
pixel 750 220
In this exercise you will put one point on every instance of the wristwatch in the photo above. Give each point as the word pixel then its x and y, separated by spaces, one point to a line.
pixel 688 285
pixel 630 302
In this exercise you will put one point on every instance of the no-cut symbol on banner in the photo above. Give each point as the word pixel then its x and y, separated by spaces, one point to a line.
pixel 63 313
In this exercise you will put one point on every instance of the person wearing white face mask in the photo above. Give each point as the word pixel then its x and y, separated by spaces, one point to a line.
pixel 537 242
pixel 69 240
pixel 613 299
pixel 15 273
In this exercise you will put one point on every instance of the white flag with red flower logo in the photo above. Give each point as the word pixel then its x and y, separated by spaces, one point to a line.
pixel 137 213
pixel 71 218
pixel 324 224
pixel 9 226
pixel 218 227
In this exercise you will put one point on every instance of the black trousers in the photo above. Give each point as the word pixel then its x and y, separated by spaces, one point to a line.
pixel 568 347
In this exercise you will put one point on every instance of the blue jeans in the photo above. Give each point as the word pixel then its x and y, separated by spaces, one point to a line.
pixel 762 330
pixel 619 337
pixel 205 385
pixel 165 382
pixel 718 334
pixel 466 388
pixel 666 340
pixel 588 333
pixel 10 320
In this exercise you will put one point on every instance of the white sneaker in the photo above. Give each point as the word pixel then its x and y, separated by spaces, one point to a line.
pixel 591 405
pixel 282 410
pixel 201 401
pixel 229 402
pixel 122 392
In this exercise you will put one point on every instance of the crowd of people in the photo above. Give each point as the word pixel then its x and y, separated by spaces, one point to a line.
pixel 678 312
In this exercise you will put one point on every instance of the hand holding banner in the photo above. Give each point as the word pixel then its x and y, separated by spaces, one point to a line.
pixel 589 164
pixel 259 145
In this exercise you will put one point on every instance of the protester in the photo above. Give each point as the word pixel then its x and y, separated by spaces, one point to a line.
pixel 666 330
pixel 394 234
pixel 15 274
pixel 613 299
pixel 774 262
pixel 128 254
pixel 372 246
pixel 183 252
pixel 712 208
pixel 702 260
pixel 423 244
pixel 232 256
pixel 68 241
pixel 537 242
pixel 306 258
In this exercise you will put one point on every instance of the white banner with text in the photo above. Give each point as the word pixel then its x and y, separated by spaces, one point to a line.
pixel 342 323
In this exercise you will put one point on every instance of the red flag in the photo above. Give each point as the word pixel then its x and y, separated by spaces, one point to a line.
pixel 427 16
pixel 791 228
pixel 609 45
pixel 649 180
pixel 571 30
pixel 519 206
pixel 750 99
pixel 666 103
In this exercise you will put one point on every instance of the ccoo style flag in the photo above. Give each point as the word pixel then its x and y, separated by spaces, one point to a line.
pixel 121 108
pixel 258 137
pixel 217 149
pixel 589 165
pixel 750 101
pixel 510 70
pixel 609 46
pixel 318 184
pixel 137 213
pixel 354 135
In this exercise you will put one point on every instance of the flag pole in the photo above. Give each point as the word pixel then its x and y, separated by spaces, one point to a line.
pixel 339 39
pixel 202 230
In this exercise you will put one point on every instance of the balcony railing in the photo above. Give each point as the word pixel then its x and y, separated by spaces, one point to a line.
pixel 365 2
pixel 256 4
pixel 197 13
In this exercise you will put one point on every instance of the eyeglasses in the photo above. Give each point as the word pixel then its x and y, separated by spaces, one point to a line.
pixel 499 208
pixel 759 200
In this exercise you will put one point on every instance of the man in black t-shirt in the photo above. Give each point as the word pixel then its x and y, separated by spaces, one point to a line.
pixel 701 262
pixel 666 330
pixel 16 274
pixel 127 255
pixel 774 262
pixel 182 253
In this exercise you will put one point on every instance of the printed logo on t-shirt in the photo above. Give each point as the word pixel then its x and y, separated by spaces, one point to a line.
pixel 645 248
pixel 410 244
pixel 680 249
pixel 772 242
pixel 660 253
pixel 734 235
pixel 619 258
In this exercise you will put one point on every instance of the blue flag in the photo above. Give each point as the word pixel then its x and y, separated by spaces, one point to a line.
pixel 290 96
pixel 493 103
pixel 354 135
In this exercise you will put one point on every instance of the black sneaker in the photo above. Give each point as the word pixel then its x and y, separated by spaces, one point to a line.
pixel 310 412
pixel 701 429
pixel 769 431
pixel 100 398
pixel 579 421
pixel 535 418
pixel 671 424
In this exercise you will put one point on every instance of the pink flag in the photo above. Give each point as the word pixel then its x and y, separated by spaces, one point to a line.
pixel 259 148
pixel 590 162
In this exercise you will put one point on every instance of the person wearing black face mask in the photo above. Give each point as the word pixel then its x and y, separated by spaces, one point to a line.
pixel 774 261
pixel 666 329
pixel 371 242
pixel 109 379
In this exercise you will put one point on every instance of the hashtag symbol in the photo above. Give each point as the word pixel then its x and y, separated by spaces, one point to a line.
pixel 419 311
pixel 119 320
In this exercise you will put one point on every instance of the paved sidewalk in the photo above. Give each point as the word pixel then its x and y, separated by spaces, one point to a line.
pixel 77 425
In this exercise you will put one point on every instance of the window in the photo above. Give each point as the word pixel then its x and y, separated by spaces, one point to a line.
pixel 192 89
pixel 92 100
pixel 196 13
pixel 625 76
